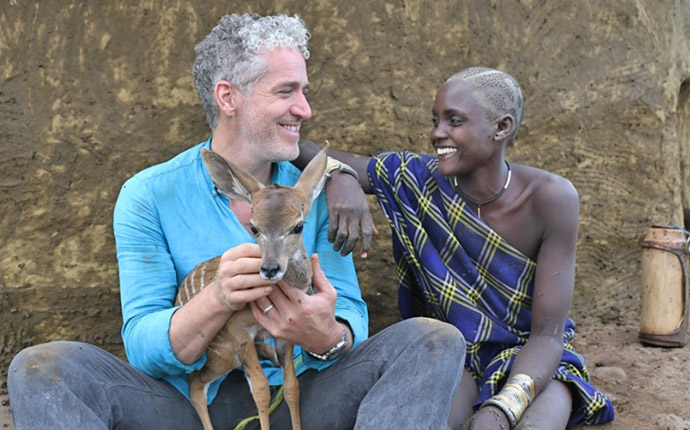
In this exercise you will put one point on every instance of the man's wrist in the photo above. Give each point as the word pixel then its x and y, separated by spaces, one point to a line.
pixel 336 350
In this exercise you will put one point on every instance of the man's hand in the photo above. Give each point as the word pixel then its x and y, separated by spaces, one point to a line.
pixel 348 211
pixel 305 320
pixel 238 281
pixel 194 325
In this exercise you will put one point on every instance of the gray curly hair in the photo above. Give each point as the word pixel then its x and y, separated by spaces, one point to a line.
pixel 231 52
pixel 497 92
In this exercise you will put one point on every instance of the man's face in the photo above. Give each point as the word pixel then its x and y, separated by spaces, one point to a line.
pixel 461 135
pixel 272 114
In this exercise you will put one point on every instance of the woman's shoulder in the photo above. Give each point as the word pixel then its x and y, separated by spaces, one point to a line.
pixel 548 192
pixel 543 181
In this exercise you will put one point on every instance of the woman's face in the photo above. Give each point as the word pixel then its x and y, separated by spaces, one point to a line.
pixel 461 135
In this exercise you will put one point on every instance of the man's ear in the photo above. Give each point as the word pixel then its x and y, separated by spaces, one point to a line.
pixel 505 125
pixel 226 98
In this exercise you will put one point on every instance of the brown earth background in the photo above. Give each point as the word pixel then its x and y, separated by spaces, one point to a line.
pixel 92 92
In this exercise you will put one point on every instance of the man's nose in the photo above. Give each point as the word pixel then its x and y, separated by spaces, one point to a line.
pixel 301 107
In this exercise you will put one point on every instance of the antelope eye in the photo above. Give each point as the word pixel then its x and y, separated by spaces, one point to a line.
pixel 298 228
pixel 253 229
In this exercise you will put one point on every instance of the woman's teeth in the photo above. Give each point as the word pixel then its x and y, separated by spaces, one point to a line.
pixel 444 151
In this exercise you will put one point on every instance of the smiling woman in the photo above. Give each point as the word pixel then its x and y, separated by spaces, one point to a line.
pixel 504 275
pixel 464 120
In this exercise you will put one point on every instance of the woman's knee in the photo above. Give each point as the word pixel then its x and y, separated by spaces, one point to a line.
pixel 551 409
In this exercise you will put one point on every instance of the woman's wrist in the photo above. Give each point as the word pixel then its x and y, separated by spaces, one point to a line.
pixel 515 397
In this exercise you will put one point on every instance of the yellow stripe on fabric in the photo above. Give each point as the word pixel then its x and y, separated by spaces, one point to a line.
pixel 484 330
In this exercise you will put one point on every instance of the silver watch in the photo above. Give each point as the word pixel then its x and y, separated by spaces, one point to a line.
pixel 333 352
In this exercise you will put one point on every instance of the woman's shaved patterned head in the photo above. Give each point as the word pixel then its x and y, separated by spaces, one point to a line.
pixel 497 92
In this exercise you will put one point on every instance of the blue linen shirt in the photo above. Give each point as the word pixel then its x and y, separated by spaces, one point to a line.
pixel 169 218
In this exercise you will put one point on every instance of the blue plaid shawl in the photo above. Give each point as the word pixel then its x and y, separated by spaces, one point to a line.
pixel 453 267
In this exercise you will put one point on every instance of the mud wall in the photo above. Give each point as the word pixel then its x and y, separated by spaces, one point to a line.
pixel 91 92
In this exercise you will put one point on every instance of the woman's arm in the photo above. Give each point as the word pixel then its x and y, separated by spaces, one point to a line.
pixel 308 149
pixel 557 208
pixel 348 206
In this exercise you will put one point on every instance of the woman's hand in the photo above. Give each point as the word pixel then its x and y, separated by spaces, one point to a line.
pixel 348 211
pixel 488 418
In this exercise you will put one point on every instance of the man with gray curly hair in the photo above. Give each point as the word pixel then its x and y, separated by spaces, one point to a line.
pixel 230 51
pixel 250 72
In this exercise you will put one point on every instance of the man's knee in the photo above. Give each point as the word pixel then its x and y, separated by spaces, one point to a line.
pixel 41 362
pixel 446 336
pixel 436 336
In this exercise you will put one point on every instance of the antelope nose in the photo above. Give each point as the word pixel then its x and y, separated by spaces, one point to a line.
pixel 269 271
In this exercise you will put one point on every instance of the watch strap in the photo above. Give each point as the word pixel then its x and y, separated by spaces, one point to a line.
pixel 333 352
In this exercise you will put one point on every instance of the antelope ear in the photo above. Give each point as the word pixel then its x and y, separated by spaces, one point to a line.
pixel 313 178
pixel 233 181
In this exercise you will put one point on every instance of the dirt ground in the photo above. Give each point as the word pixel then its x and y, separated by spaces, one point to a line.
pixel 648 385
pixel 5 413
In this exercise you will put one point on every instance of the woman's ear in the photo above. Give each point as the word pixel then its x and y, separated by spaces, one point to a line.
pixel 505 125
pixel 226 98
